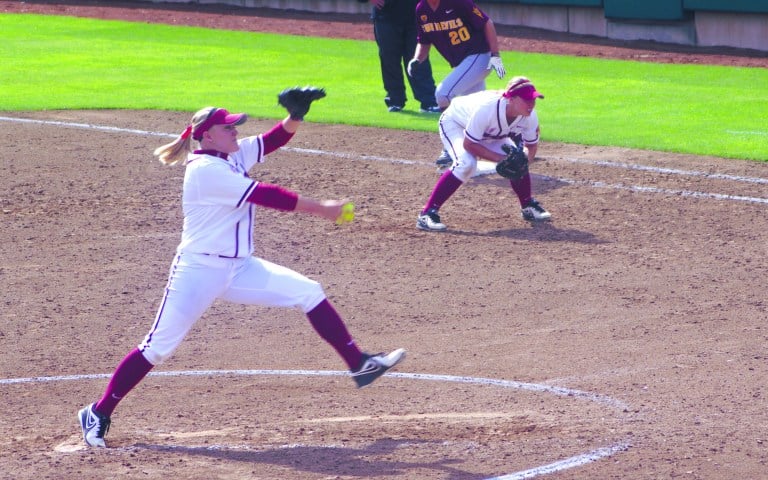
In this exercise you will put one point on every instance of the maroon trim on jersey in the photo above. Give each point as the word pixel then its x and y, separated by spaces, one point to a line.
pixel 212 152
pixel 248 192
pixel 237 237
pixel 250 230
pixel 274 196
pixel 275 138
pixel 442 131
pixel 501 119
pixel 499 113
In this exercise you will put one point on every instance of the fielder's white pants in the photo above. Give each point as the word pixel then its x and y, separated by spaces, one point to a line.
pixel 197 280
pixel 464 163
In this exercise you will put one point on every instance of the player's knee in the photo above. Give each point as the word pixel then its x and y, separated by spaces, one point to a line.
pixel 442 98
pixel 464 170
pixel 312 296
pixel 154 355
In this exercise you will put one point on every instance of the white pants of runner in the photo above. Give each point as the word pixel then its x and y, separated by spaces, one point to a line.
pixel 468 77
pixel 197 280
pixel 464 163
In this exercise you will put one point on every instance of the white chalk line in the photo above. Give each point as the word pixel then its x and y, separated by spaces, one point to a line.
pixel 560 465
pixel 309 151
pixel 566 464
pixel 665 191
pixel 86 126
pixel 670 171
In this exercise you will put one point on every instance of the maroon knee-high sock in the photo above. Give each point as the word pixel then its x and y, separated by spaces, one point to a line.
pixel 522 188
pixel 445 187
pixel 331 328
pixel 128 374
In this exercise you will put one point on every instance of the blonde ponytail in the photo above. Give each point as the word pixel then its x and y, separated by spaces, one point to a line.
pixel 177 151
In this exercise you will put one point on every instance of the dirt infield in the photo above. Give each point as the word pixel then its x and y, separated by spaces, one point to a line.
pixel 625 339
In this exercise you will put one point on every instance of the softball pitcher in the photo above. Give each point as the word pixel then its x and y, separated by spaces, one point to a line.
pixel 482 125
pixel 214 258
pixel 466 37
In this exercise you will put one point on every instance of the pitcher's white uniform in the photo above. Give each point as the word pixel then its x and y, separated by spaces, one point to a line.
pixel 214 258
pixel 481 118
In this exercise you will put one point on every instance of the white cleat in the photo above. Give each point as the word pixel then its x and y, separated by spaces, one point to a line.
pixel 430 221
pixel 94 426
pixel 534 212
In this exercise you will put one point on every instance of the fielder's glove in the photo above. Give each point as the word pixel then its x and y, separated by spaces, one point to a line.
pixel 297 100
pixel 515 166
pixel 413 65
pixel 496 64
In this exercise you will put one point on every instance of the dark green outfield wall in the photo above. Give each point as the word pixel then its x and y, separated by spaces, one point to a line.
pixel 653 9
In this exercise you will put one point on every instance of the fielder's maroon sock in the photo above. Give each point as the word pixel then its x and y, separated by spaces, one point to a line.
pixel 522 188
pixel 445 187
pixel 127 375
pixel 330 326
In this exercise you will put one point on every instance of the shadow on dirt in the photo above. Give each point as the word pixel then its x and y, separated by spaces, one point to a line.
pixel 541 184
pixel 537 232
pixel 331 460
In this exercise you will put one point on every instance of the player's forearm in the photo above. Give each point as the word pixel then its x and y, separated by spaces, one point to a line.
pixel 422 52
pixel 328 209
pixel 481 151
pixel 279 135
pixel 532 147
pixel 493 39
pixel 274 196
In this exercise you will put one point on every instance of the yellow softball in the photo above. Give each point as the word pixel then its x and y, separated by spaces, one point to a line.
pixel 347 214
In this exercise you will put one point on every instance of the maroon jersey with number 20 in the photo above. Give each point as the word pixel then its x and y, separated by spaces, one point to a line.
pixel 455 28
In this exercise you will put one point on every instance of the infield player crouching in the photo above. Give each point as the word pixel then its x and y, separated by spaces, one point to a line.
pixel 500 126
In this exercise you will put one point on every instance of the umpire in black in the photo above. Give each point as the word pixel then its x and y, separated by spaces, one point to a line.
pixel 394 27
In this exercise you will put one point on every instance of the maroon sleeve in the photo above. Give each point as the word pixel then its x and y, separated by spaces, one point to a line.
pixel 275 138
pixel 273 196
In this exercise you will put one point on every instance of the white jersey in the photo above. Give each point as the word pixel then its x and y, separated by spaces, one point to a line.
pixel 483 117
pixel 217 218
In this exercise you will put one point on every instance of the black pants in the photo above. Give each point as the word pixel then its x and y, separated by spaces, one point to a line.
pixel 397 42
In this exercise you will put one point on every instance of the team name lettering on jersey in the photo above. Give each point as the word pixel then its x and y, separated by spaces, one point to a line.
pixel 452 24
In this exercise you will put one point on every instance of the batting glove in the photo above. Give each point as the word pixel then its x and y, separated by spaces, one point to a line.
pixel 495 63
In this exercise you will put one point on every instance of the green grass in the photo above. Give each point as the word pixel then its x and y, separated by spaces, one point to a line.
pixel 52 62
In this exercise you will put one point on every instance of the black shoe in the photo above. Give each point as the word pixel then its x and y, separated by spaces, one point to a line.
pixel 374 366
pixel 431 109
pixel 395 108
pixel 444 160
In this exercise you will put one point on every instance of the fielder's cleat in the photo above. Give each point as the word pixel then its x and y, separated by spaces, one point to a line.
pixel 374 366
pixel 95 426
pixel 443 161
pixel 534 212
pixel 430 221
pixel 395 108
pixel 431 109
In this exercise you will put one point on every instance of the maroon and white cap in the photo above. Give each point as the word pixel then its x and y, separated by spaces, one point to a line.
pixel 218 116
pixel 523 88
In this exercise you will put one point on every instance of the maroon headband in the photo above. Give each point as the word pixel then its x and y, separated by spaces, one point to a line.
pixel 523 89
